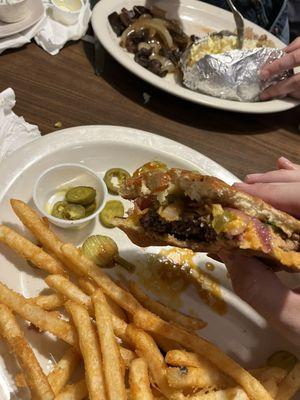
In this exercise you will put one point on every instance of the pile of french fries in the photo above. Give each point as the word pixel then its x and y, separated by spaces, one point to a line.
pixel 131 347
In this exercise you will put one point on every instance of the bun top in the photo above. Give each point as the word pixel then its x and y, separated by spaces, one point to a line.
pixel 161 182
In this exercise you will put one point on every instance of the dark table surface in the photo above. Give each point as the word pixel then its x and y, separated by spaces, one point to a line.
pixel 65 88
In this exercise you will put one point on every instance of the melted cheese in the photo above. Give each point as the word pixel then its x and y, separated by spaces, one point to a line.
pixel 251 239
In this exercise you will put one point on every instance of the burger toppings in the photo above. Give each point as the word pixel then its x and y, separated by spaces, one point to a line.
pixel 187 220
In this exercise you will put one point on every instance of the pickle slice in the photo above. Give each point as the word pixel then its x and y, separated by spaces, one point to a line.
pixel 112 209
pixel 83 195
pixel 282 359
pixel 74 211
pixel 100 249
pixel 90 209
pixel 114 178
pixel 58 210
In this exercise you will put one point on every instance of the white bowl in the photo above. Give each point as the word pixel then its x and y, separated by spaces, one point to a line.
pixel 14 12
pixel 53 183
pixel 66 11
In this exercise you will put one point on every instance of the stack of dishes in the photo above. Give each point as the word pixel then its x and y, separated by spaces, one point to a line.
pixel 16 16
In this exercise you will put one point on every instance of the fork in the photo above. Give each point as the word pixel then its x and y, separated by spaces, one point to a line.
pixel 239 21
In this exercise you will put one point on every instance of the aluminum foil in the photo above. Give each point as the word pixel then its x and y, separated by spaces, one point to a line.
pixel 233 75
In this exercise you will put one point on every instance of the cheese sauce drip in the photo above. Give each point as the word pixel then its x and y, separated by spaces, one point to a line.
pixel 171 271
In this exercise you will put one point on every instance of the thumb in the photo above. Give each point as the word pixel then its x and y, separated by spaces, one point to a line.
pixel 284 196
pixel 262 289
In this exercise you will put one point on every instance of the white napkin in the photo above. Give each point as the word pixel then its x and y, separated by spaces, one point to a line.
pixel 21 38
pixel 14 130
pixel 54 35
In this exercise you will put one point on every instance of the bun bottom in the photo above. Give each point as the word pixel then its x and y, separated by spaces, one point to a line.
pixel 277 260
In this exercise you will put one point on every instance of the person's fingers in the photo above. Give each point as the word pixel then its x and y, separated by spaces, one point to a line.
pixel 284 163
pixel 281 175
pixel 262 289
pixel 285 63
pixel 282 89
pixel 284 196
pixel 293 46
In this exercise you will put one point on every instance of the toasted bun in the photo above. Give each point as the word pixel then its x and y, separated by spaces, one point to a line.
pixel 210 189
pixel 278 258
pixel 207 189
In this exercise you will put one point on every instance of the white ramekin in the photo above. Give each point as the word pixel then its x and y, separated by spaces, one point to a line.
pixel 59 179
pixel 62 14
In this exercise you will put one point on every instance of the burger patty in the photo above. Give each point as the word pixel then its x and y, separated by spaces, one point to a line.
pixel 189 227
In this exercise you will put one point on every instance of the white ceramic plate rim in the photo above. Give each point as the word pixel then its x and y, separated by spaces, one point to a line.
pixel 109 40
pixel 27 156
pixel 13 166
pixel 36 12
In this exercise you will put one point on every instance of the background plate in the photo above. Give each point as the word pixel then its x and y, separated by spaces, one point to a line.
pixel 242 333
pixel 196 17
pixel 35 13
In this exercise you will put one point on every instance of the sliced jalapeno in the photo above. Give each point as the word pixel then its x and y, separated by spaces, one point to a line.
pixel 58 210
pixel 112 209
pixel 150 166
pixel 282 359
pixel 114 178
pixel 74 211
pixel 83 195
pixel 90 209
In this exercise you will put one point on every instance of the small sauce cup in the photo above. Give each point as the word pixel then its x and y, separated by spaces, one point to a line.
pixel 66 11
pixel 52 185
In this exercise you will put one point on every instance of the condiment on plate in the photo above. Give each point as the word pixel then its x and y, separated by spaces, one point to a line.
pixel 66 11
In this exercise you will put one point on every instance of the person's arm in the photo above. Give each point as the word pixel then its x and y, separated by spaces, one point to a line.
pixel 290 86
pixel 251 279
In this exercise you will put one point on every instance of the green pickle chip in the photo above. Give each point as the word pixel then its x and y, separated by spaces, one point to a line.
pixel 83 195
pixel 90 209
pixel 100 249
pixel 112 209
pixel 74 211
pixel 58 210
pixel 114 177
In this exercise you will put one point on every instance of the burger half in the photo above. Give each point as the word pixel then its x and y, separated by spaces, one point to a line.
pixel 190 210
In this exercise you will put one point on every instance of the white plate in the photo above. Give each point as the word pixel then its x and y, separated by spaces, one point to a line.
pixel 242 333
pixel 195 17
pixel 35 13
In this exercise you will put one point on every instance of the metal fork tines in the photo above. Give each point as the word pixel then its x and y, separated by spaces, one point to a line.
pixel 239 21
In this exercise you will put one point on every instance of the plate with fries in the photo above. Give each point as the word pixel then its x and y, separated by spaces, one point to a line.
pixel 71 329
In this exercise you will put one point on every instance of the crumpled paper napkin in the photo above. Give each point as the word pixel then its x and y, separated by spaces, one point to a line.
pixel 14 130
pixel 54 35
pixel 48 33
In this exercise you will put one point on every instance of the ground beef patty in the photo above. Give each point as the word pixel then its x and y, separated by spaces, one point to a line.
pixel 191 226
